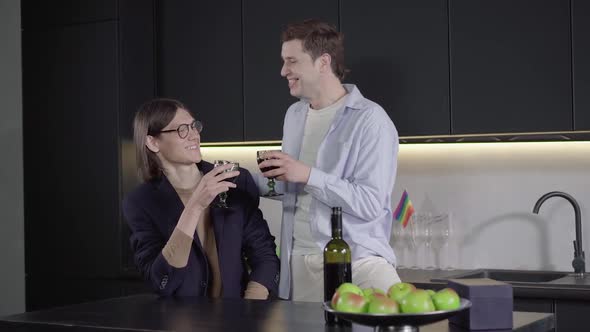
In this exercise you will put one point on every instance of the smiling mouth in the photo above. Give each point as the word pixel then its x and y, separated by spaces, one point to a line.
pixel 292 81
pixel 192 147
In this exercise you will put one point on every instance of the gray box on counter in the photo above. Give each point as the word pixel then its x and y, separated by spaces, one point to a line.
pixel 491 304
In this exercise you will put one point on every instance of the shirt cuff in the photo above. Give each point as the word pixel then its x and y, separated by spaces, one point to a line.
pixel 177 249
pixel 316 180
pixel 255 291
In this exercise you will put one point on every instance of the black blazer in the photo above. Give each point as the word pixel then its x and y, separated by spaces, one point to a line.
pixel 152 211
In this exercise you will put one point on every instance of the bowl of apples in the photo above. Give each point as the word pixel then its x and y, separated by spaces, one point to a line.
pixel 403 307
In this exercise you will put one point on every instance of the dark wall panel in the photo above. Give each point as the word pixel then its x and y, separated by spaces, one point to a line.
pixel 398 55
pixel 581 47
pixel 510 66
pixel 266 93
pixel 199 50
pixel 71 157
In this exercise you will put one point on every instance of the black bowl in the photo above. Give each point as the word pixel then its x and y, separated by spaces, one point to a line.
pixel 397 319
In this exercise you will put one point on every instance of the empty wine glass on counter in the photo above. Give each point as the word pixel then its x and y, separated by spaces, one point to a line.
pixel 441 233
pixel 260 157
pixel 399 245
pixel 223 196
pixel 429 253
pixel 412 241
pixel 420 239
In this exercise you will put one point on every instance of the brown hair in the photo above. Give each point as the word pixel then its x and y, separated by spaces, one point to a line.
pixel 318 38
pixel 152 116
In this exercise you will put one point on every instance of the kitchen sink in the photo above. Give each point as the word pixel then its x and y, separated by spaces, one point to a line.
pixel 510 275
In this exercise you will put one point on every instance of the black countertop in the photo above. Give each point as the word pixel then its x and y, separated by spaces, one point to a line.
pixel 147 312
pixel 566 288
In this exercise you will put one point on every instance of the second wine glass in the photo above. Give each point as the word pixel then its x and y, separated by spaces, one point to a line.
pixel 223 196
pixel 260 157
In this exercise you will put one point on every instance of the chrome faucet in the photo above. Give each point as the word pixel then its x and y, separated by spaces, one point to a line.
pixel 578 263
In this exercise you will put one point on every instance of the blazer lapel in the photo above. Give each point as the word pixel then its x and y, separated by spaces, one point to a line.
pixel 168 195
pixel 172 204
pixel 216 214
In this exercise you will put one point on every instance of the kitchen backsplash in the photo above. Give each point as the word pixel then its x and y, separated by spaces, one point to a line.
pixel 490 190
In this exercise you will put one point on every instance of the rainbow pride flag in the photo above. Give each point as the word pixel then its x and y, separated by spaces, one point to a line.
pixel 404 209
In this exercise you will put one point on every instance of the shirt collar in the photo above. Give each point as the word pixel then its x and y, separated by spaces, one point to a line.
pixel 353 98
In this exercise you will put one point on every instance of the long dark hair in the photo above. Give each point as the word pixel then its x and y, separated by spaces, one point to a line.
pixel 152 116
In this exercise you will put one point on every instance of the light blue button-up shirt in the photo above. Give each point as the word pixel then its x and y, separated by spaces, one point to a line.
pixel 355 169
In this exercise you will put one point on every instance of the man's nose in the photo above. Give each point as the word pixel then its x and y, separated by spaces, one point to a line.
pixel 284 70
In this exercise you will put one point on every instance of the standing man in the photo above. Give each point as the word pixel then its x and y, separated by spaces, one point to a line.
pixel 339 149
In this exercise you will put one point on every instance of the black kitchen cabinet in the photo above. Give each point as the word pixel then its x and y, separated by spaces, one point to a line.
pixel 137 69
pixel 534 305
pixel 581 63
pixel 198 56
pixel 137 78
pixel 266 94
pixel 572 315
pixel 81 86
pixel 71 159
pixel 48 292
pixel 65 12
pixel 398 55
pixel 510 66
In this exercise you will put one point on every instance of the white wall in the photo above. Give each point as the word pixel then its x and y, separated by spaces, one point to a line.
pixel 12 259
pixel 490 189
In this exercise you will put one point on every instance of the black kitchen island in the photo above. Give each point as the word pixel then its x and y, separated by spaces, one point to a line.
pixel 567 297
pixel 148 312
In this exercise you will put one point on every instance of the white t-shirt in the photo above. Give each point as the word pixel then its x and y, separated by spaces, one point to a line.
pixel 317 125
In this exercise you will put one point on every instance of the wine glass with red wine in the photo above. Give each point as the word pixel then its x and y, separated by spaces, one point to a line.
pixel 223 196
pixel 260 157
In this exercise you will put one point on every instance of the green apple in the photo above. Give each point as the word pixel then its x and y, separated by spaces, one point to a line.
pixel 346 287
pixel 399 290
pixel 383 305
pixel 418 301
pixel 431 292
pixel 370 293
pixel 446 299
pixel 351 302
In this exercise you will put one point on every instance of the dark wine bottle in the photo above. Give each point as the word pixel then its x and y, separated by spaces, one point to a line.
pixel 337 259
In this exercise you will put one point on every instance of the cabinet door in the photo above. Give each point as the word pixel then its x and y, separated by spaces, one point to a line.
pixel 572 315
pixel 581 49
pixel 510 66
pixel 533 305
pixel 266 92
pixel 66 12
pixel 137 85
pixel 136 33
pixel 71 158
pixel 398 55
pixel 199 52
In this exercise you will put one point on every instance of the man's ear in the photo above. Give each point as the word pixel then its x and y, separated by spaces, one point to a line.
pixel 325 62
pixel 152 144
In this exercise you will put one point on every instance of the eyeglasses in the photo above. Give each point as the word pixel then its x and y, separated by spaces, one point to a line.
pixel 183 129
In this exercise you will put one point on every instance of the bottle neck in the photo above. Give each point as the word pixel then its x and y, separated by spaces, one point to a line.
pixel 336 227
